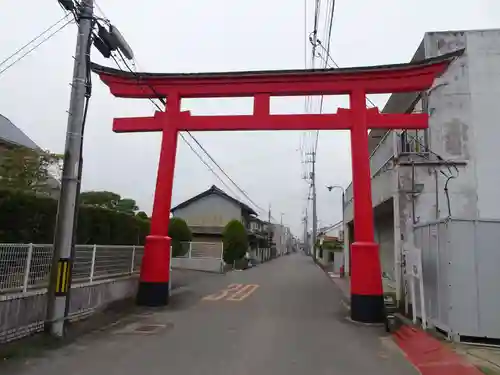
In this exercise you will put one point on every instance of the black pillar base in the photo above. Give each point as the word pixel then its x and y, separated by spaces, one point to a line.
pixel 367 308
pixel 153 294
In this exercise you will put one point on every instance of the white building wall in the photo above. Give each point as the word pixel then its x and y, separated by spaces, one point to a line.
pixel 463 129
pixel 463 115
pixel 484 81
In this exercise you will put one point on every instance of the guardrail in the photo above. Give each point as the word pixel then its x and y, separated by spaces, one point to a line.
pixel 27 266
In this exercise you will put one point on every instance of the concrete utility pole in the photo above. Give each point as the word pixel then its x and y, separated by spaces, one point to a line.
pixel 306 247
pixel 315 216
pixel 62 262
pixel 282 230
pixel 312 177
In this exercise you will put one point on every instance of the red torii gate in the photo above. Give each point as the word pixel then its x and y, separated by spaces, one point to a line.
pixel 367 303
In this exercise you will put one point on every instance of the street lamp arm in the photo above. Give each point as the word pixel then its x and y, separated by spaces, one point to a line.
pixel 331 187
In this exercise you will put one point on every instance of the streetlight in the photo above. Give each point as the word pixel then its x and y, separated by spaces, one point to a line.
pixel 346 251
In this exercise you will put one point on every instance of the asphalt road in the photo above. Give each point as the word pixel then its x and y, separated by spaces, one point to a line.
pixel 282 317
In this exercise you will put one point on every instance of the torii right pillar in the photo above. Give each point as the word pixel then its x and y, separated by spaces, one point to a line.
pixel 367 301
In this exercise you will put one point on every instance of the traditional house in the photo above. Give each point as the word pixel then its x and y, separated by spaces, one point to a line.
pixel 207 214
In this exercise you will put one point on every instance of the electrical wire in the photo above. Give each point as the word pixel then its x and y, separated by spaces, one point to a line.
pixel 182 135
pixel 447 163
pixel 35 47
pixel 162 100
pixel 100 10
pixel 35 39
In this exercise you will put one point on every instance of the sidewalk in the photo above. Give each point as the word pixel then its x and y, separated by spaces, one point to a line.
pixel 433 356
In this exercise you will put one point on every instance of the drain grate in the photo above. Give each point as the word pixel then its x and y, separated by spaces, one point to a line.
pixel 145 329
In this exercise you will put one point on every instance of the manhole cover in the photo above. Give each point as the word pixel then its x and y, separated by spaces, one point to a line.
pixel 146 329
pixel 149 328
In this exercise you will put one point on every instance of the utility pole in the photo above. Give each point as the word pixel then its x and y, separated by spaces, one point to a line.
pixel 62 262
pixel 314 213
pixel 282 230
pixel 306 247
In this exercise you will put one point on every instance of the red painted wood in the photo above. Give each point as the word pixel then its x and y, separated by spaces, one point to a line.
pixel 361 179
pixel 382 80
pixel 150 271
pixel 339 121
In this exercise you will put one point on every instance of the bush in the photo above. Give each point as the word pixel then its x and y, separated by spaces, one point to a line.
pixel 26 218
pixel 179 232
pixel 235 240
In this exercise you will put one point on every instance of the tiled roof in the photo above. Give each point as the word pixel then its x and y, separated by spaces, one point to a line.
pixel 215 190
pixel 11 134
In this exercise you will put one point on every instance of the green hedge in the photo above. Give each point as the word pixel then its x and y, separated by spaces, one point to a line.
pixel 27 218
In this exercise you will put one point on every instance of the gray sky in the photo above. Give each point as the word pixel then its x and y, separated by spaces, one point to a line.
pixel 215 35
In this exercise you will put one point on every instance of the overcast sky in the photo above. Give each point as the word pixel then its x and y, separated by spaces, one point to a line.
pixel 215 35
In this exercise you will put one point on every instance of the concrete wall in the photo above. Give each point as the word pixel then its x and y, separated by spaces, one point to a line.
pixel 212 210
pixel 462 129
pixel 383 188
pixel 460 285
pixel 484 84
pixel 384 236
pixel 23 314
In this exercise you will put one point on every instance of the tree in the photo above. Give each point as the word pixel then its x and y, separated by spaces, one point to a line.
pixel 179 232
pixel 127 206
pixel 29 217
pixel 103 199
pixel 29 170
pixel 235 241
pixel 142 215
pixel 110 200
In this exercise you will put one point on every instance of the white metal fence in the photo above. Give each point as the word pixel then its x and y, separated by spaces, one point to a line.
pixel 27 266
pixel 202 250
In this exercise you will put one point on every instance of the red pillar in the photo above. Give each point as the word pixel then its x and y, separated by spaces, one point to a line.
pixel 155 269
pixel 367 302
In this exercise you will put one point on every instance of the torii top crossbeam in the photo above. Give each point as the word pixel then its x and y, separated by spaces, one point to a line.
pixel 414 76
pixel 366 287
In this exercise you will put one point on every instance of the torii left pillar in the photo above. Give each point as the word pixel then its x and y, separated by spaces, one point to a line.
pixel 155 268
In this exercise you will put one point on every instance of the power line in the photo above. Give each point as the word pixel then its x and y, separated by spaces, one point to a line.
pixel 207 165
pixel 162 100
pixel 100 9
pixel 181 135
pixel 35 38
pixel 328 56
pixel 36 46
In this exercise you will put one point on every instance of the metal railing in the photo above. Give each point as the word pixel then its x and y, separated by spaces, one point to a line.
pixel 27 266
pixel 412 142
pixel 202 250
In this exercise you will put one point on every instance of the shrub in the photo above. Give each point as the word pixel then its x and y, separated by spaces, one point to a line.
pixel 235 240
pixel 26 217
pixel 179 232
